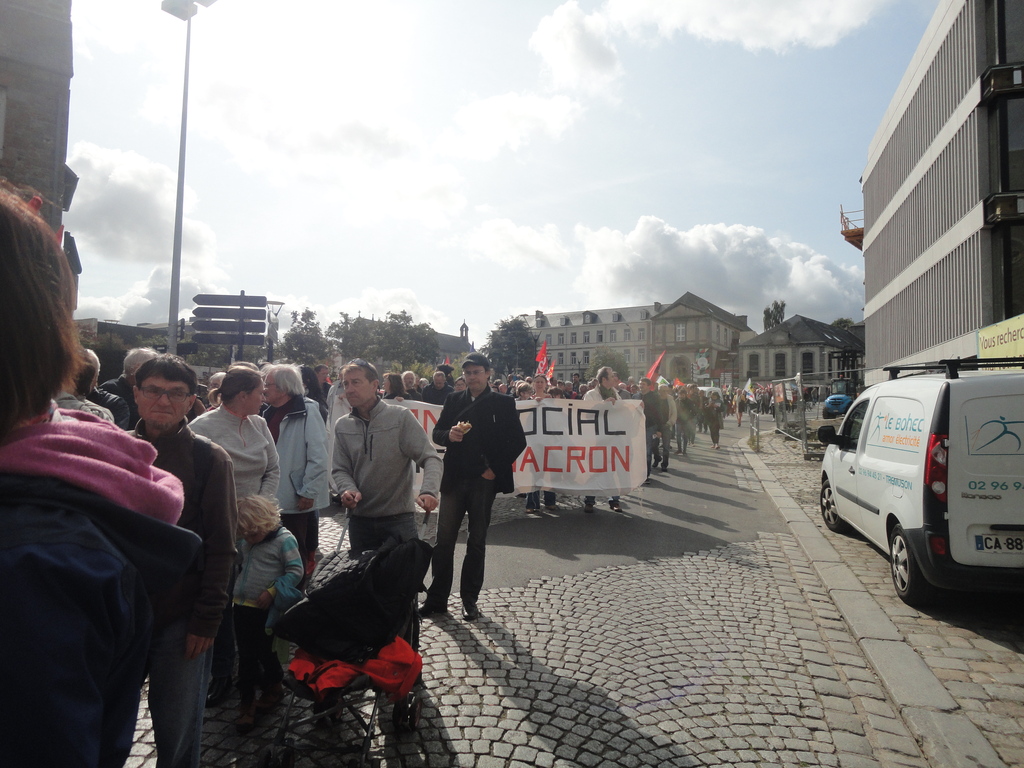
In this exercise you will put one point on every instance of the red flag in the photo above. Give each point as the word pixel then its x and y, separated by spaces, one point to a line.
pixel 447 361
pixel 542 366
pixel 543 354
pixel 678 383
pixel 654 368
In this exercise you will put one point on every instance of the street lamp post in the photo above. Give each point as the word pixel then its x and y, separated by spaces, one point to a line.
pixel 184 10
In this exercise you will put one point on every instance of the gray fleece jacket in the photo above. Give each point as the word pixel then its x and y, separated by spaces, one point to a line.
pixel 376 458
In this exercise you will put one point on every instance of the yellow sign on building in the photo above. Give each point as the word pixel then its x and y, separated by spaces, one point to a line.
pixel 1005 339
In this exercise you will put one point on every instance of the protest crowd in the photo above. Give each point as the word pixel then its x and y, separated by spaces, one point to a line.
pixel 159 528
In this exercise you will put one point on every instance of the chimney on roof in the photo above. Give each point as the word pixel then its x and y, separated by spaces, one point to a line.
pixel 657 306
pixel 540 313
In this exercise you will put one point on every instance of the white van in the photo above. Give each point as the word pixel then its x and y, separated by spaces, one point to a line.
pixel 930 468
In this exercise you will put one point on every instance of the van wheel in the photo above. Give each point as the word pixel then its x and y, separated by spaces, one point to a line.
pixel 828 509
pixel 907 579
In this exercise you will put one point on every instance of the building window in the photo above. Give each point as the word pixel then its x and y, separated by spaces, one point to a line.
pixel 541 322
pixel 718 333
pixel 625 354
pixel 572 337
pixel 644 314
pixel 753 365
pixel 780 364
pixel 547 339
pixel 572 358
pixel 680 331
pixel 561 358
pixel 586 358
pixel 807 362
pixel 586 337
pixel 627 334
pixel 641 334
pixel 616 317
pixel 564 321
pixel 600 337
pixel 561 338
pixel 612 334
pixel 641 355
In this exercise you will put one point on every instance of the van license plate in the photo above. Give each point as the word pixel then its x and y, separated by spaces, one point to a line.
pixel 999 543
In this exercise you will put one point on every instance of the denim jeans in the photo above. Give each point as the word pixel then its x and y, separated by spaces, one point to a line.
pixel 177 696
pixel 473 496
pixel 533 499
pixel 371 532
pixel 589 500
pixel 650 447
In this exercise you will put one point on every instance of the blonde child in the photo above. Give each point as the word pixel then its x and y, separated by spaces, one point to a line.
pixel 270 564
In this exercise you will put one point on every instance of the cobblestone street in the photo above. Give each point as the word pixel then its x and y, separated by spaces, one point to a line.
pixel 741 655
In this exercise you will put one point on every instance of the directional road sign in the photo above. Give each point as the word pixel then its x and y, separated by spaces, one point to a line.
pixel 230 313
pixel 233 327
pixel 218 338
pixel 229 300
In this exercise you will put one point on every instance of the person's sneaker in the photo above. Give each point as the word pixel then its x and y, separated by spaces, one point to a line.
pixel 431 609
pixel 470 612
pixel 246 719
pixel 531 511
pixel 615 506
pixel 219 689
pixel 588 507
pixel 551 507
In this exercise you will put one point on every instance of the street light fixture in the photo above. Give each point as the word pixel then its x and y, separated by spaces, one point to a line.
pixel 184 10
pixel 273 310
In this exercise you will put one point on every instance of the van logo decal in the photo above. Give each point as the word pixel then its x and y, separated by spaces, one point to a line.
pixel 994 438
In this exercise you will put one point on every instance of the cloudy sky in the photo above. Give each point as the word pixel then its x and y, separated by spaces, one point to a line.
pixel 475 160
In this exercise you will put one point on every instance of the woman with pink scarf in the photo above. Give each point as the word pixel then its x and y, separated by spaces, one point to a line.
pixel 87 527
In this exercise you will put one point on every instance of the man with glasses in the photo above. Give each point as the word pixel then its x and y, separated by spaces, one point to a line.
pixel 376 446
pixel 483 437
pixel 187 615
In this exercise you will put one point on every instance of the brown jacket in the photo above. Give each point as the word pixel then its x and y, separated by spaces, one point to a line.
pixel 211 514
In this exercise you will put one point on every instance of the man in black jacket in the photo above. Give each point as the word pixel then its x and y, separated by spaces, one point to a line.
pixel 483 437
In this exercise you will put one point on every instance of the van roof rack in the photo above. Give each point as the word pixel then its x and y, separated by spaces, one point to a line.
pixel 953 366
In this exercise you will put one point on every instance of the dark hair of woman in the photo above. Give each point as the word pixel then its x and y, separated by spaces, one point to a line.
pixel 36 298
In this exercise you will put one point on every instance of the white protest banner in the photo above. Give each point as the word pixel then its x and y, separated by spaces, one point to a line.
pixel 582 448
pixel 571 446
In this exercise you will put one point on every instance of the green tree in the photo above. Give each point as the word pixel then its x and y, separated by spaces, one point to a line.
pixel 305 342
pixel 774 314
pixel 353 337
pixel 843 323
pixel 610 357
pixel 511 347
pixel 401 341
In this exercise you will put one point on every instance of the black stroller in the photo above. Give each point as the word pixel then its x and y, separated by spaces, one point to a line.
pixel 355 607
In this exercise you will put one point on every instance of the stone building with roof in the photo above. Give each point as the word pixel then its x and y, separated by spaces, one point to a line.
pixel 801 345
pixel 700 340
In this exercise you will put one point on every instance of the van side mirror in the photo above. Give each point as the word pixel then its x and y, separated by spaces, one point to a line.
pixel 827 435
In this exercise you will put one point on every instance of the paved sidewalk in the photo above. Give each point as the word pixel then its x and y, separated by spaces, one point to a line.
pixel 955 671
pixel 734 656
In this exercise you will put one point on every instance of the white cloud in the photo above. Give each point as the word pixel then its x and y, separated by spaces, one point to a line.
pixel 485 127
pixel 371 302
pixel 124 208
pixel 754 24
pixel 512 246
pixel 577 49
pixel 740 268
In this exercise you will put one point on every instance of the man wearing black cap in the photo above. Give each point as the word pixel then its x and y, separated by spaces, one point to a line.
pixel 483 437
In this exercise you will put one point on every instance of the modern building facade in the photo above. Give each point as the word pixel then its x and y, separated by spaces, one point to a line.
pixel 944 190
